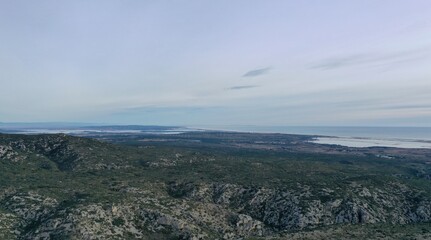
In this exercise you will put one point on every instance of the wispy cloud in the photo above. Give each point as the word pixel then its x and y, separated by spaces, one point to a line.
pixel 242 87
pixel 402 107
pixel 257 72
pixel 332 63
pixel 370 59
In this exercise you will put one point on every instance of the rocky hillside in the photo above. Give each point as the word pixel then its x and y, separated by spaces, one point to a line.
pixel 62 187
pixel 67 153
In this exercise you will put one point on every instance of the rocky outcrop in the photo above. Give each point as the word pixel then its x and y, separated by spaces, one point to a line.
pixel 203 211
pixel 199 211
pixel 6 152
pixel 302 208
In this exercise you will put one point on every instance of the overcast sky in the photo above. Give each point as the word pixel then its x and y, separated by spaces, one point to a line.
pixel 197 62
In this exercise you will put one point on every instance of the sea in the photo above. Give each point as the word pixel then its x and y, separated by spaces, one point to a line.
pixel 401 137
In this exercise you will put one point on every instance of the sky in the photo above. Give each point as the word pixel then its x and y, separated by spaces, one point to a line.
pixel 224 62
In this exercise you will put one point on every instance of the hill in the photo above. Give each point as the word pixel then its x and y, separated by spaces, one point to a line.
pixel 209 185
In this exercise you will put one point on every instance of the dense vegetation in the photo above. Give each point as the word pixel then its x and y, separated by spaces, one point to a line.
pixel 257 182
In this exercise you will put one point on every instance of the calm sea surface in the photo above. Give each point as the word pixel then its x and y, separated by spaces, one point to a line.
pixel 418 133
pixel 403 137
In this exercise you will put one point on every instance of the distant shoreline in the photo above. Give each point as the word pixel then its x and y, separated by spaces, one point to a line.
pixel 370 142
pixel 361 137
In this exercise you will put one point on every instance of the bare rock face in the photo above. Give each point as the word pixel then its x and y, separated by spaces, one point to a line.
pixel 6 152
pixel 290 210
pixel 201 211
pixel 229 211
pixel 247 226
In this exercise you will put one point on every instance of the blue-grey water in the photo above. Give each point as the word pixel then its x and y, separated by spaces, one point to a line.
pixel 418 133
pixel 402 137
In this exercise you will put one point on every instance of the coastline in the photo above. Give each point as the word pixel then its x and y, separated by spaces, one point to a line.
pixel 372 142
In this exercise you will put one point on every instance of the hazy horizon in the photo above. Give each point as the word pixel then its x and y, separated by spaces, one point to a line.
pixel 89 124
pixel 263 63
